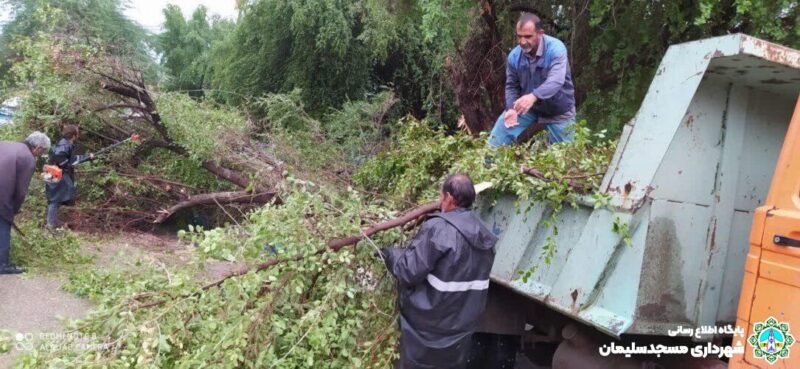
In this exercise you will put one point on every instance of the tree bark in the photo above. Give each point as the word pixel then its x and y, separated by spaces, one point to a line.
pixel 336 245
pixel 226 174
pixel 478 73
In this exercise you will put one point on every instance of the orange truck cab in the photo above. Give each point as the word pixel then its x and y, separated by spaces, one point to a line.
pixel 771 285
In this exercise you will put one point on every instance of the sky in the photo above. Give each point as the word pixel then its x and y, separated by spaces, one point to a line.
pixel 148 12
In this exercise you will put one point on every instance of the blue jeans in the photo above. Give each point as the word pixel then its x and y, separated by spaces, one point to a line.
pixel 52 214
pixel 556 131
pixel 5 242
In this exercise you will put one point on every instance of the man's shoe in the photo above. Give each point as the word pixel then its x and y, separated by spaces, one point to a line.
pixel 11 269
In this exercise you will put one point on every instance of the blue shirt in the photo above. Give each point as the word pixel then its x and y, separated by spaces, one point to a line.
pixel 547 76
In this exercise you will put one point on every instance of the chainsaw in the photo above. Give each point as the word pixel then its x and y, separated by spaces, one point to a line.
pixel 54 174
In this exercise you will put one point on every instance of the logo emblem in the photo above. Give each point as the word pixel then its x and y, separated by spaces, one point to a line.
pixel 771 340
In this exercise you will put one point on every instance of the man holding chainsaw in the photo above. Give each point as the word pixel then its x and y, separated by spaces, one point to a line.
pixel 62 192
pixel 17 164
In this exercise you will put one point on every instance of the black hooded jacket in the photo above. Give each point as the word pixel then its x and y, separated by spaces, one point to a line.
pixel 443 278
pixel 64 157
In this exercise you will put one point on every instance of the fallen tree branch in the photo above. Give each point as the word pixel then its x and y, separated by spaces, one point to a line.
pixel 121 106
pixel 145 103
pixel 338 244
pixel 533 172
pixel 332 246
pixel 227 174
pixel 238 197
pixel 335 245
pixel 153 178
pixel 581 176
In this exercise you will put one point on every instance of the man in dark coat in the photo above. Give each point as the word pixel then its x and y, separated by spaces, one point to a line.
pixel 443 278
pixel 63 156
pixel 17 164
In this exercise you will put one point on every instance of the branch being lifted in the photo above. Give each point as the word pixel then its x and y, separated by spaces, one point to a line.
pixel 338 244
pixel 332 246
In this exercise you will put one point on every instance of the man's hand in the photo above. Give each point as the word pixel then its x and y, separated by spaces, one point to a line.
pixel 524 103
pixel 510 119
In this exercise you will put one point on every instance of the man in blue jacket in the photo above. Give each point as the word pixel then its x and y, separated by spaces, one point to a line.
pixel 539 87
pixel 443 280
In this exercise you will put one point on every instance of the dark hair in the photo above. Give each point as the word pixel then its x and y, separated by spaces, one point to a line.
pixel 526 17
pixel 70 131
pixel 460 187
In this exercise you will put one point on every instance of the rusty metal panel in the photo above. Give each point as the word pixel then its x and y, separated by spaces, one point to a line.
pixel 669 285
pixel 735 59
pixel 522 239
pixel 726 177
pixel 586 263
pixel 661 114
pixel 688 170
pixel 571 224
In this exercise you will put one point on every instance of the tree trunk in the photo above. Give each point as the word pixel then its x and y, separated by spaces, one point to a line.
pixel 478 73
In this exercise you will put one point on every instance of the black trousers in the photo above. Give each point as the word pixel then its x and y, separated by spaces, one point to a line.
pixel 5 242
pixel 493 351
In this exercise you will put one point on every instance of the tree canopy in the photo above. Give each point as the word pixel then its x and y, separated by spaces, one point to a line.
pixel 100 22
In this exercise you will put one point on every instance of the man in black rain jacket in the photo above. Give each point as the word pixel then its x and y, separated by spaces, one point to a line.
pixel 63 191
pixel 443 280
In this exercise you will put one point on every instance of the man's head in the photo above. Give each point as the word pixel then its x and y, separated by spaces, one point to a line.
pixel 38 142
pixel 70 132
pixel 457 192
pixel 529 32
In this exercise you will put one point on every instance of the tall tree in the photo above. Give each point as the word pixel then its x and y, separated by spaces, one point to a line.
pixel 333 50
pixel 185 47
